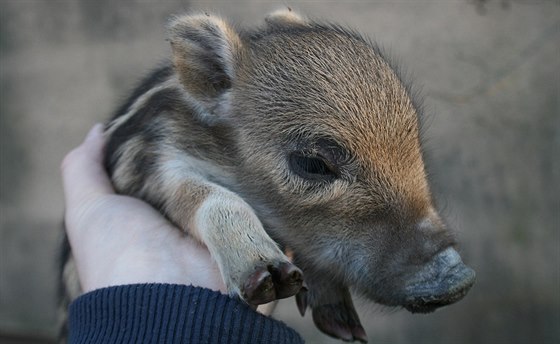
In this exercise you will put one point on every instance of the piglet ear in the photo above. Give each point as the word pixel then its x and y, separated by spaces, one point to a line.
pixel 206 51
pixel 285 18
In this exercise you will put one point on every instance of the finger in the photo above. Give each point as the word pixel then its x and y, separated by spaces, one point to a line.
pixel 83 174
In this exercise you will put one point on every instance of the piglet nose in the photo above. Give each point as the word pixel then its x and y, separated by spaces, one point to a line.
pixel 442 281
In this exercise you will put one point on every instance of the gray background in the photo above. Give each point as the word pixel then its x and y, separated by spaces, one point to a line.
pixel 490 73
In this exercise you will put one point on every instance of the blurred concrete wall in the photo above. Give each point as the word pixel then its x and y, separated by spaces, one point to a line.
pixel 490 71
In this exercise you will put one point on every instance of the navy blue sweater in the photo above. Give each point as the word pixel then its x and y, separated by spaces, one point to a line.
pixel 166 313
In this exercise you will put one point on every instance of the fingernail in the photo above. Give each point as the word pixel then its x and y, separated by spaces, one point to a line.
pixel 95 131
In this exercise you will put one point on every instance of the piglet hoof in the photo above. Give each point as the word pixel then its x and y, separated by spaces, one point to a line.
pixel 259 288
pixel 270 283
pixel 288 279
pixel 340 322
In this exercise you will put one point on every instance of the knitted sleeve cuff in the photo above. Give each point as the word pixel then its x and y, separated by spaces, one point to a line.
pixel 165 313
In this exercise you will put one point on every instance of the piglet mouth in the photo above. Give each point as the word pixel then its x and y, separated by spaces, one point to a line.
pixel 443 281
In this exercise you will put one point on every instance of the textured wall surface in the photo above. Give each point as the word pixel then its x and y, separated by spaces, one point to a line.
pixel 490 71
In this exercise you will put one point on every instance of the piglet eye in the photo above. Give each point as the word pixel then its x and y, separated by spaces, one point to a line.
pixel 312 167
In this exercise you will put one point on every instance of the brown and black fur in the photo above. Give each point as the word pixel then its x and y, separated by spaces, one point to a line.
pixel 294 135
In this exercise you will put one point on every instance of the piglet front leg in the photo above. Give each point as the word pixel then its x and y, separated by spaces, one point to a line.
pixel 251 264
pixel 332 309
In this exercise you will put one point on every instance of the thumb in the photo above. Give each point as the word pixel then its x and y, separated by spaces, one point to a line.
pixel 83 174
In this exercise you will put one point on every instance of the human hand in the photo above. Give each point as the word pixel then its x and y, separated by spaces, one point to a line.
pixel 120 240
